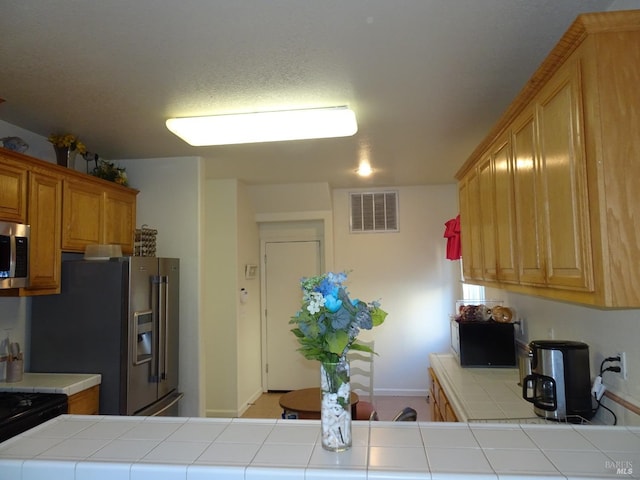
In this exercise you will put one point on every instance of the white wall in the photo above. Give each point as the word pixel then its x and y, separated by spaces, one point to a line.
pixel 625 5
pixel 220 292
pixel 408 272
pixel 39 147
pixel 170 201
pixel 248 317
pixel 231 329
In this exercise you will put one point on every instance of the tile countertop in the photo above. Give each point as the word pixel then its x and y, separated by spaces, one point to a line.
pixel 481 394
pixel 77 447
pixel 67 383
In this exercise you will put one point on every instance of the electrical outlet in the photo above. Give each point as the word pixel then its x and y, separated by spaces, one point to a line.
pixel 623 365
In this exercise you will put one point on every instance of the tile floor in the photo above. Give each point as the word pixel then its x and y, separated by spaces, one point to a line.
pixel 267 406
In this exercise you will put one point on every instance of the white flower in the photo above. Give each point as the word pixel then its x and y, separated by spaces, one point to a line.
pixel 315 302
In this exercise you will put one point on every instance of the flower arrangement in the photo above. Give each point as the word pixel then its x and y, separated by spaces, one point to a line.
pixel 329 321
pixel 109 171
pixel 67 141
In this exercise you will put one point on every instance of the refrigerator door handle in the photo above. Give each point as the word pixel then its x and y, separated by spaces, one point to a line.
pixel 163 340
pixel 155 301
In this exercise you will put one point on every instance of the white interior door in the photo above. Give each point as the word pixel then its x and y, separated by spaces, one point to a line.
pixel 286 264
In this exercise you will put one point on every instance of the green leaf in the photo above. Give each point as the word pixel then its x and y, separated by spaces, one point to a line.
pixel 337 341
pixel 377 316
pixel 297 332
pixel 362 348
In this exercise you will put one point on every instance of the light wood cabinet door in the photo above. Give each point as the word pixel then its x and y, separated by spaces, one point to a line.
pixel 119 218
pixel 471 234
pixel 13 191
pixel 568 258
pixel 505 216
pixel 97 214
pixel 441 410
pixel 486 218
pixel 530 246
pixel 86 402
pixel 82 216
pixel 45 215
pixel 449 414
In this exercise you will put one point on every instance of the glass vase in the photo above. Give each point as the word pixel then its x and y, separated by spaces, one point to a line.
pixel 335 409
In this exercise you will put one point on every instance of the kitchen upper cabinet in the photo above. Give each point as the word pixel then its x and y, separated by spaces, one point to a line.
pixel 67 211
pixel 529 224
pixel 564 208
pixel 82 217
pixel 486 208
pixel 45 207
pixel 566 159
pixel 469 199
pixel 97 215
pixel 505 216
pixel 120 219
pixel 13 189
pixel 487 218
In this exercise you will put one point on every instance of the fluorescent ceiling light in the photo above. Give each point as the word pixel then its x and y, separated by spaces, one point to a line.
pixel 265 126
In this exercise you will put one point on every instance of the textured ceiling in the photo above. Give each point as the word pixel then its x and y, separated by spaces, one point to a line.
pixel 426 78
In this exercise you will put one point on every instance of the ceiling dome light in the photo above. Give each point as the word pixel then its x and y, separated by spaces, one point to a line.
pixel 364 169
pixel 265 126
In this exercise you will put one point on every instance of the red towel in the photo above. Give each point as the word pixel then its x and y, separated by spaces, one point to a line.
pixel 452 234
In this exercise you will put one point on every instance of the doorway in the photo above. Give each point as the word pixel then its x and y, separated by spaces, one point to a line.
pixel 286 262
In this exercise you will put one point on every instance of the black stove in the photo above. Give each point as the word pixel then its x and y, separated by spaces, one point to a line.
pixel 20 411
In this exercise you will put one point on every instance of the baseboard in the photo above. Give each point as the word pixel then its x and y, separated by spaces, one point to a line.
pixel 210 413
pixel 388 392
pixel 245 406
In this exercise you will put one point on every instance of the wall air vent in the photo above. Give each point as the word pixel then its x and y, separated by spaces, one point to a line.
pixel 374 212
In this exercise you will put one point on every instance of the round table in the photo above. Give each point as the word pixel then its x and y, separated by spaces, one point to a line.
pixel 305 404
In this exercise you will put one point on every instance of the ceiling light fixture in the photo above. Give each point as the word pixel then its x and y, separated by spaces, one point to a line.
pixel 265 126
pixel 364 169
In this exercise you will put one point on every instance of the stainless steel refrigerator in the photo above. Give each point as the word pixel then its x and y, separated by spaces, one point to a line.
pixel 119 318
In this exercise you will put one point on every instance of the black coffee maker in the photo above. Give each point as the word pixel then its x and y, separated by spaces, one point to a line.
pixel 559 385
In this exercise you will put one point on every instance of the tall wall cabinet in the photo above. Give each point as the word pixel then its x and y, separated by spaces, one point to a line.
pixel 67 211
pixel 549 200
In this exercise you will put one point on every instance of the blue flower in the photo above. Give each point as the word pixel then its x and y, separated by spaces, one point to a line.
pixel 363 318
pixel 328 287
pixel 332 303
pixel 340 320
pixel 329 321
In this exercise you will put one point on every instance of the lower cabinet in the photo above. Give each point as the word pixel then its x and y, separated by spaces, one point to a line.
pixel 441 410
pixel 85 402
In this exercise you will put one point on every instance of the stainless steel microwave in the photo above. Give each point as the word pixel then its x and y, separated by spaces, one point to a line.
pixel 14 255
